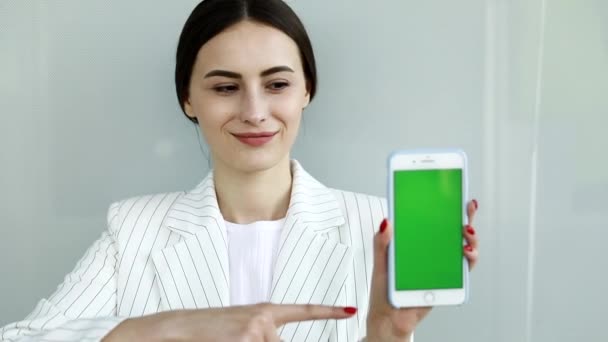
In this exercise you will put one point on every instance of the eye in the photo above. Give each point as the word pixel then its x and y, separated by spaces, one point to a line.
pixel 278 85
pixel 226 89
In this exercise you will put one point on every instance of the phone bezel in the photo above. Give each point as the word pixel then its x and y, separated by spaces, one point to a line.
pixel 426 160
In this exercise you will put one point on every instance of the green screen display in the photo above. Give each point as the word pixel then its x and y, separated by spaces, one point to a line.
pixel 428 229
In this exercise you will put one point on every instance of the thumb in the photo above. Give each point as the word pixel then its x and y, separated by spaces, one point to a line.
pixel 380 274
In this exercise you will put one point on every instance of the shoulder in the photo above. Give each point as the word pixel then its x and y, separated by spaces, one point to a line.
pixel 358 201
pixel 361 209
pixel 128 212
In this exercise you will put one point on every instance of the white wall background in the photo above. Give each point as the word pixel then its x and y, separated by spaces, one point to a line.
pixel 88 115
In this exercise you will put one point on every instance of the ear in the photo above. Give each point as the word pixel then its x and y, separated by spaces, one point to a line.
pixel 307 95
pixel 188 109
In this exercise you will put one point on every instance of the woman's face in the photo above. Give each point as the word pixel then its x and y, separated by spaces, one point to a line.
pixel 247 91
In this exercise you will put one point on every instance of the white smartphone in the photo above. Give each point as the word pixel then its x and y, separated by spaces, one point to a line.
pixel 427 197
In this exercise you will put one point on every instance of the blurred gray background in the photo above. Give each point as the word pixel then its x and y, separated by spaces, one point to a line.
pixel 88 115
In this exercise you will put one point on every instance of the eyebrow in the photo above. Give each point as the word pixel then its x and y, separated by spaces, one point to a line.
pixel 231 74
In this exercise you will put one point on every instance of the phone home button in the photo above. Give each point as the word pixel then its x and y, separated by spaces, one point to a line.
pixel 429 297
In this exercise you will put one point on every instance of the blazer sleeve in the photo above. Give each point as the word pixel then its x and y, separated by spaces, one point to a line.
pixel 83 308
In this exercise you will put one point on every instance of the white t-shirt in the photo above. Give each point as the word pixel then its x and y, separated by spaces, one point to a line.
pixel 252 252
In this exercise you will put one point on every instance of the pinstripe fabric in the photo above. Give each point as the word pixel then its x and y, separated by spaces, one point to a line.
pixel 169 251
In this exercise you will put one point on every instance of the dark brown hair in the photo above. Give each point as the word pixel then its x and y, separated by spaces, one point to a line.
pixel 210 17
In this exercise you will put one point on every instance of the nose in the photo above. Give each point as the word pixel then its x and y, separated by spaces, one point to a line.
pixel 254 109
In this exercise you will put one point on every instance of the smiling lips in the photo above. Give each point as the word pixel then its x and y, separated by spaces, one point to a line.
pixel 255 139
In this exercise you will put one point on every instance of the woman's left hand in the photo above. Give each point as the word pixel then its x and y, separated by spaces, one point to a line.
pixel 386 323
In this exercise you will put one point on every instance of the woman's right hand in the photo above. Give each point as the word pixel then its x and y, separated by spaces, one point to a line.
pixel 238 323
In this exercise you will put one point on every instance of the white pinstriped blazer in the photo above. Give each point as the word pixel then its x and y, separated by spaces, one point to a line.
pixel 169 251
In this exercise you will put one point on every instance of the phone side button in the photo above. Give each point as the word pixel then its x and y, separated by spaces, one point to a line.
pixel 429 298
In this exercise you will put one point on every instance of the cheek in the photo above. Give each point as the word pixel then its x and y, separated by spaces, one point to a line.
pixel 288 111
pixel 213 114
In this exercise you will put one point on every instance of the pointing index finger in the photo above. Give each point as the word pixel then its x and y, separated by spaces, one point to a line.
pixel 287 313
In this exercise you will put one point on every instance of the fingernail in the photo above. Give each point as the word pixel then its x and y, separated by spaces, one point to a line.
pixel 470 230
pixel 383 226
pixel 350 310
pixel 475 203
pixel 468 248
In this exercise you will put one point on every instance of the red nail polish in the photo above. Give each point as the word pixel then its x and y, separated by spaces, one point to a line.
pixel 350 310
pixel 383 225
pixel 470 230
pixel 468 248
pixel 475 203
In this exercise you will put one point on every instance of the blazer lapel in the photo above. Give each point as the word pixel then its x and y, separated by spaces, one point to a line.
pixel 311 267
pixel 193 273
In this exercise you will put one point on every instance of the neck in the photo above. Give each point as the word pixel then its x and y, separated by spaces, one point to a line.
pixel 245 197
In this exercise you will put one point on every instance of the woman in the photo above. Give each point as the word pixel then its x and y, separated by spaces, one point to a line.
pixel 205 265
